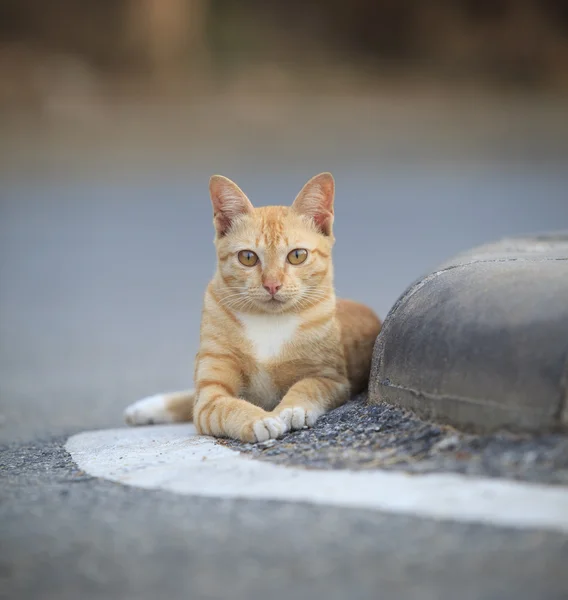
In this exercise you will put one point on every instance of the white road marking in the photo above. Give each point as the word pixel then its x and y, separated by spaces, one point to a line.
pixel 174 458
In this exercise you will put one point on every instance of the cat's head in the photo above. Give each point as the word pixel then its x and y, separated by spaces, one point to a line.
pixel 273 259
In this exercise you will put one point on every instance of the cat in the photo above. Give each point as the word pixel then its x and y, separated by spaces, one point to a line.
pixel 277 349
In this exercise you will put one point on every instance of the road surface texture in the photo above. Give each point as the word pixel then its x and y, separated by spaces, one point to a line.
pixel 362 436
pixel 105 249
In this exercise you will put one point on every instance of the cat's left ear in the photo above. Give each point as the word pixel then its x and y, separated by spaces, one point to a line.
pixel 229 202
pixel 316 201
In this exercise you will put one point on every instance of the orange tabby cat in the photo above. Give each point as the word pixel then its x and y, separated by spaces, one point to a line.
pixel 277 348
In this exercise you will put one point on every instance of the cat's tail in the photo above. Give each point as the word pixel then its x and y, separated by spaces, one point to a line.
pixel 175 407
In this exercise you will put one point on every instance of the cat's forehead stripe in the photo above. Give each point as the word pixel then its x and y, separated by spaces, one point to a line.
pixel 271 225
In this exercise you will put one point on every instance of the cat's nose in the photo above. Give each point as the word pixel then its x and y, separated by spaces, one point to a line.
pixel 272 287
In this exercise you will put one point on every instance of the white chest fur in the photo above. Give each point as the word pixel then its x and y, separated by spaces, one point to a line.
pixel 269 333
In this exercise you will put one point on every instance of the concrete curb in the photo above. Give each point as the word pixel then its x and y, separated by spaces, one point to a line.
pixel 482 342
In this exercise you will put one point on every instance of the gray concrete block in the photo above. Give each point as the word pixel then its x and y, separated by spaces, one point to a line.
pixel 482 342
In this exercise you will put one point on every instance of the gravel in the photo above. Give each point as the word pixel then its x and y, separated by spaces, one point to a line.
pixel 358 435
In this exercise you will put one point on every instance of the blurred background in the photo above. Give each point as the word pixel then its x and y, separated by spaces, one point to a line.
pixel 444 122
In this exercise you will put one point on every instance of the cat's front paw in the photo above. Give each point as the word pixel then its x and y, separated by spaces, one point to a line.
pixel 268 428
pixel 298 417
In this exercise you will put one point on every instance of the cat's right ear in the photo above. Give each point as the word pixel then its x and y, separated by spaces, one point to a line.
pixel 229 202
pixel 315 201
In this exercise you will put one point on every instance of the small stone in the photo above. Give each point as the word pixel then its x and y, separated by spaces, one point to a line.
pixel 267 443
pixel 448 443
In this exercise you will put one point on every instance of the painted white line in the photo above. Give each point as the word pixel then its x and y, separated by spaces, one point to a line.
pixel 174 458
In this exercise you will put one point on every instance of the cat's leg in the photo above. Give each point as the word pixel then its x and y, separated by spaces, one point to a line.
pixel 310 398
pixel 219 412
pixel 175 407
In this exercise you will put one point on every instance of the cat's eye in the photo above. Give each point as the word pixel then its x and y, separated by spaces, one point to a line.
pixel 247 258
pixel 297 256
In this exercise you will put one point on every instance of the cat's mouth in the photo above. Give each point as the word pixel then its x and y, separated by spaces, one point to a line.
pixel 271 303
pixel 274 303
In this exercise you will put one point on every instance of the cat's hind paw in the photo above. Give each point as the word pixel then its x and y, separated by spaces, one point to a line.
pixel 148 411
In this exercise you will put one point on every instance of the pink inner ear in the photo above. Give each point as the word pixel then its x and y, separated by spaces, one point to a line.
pixel 229 202
pixel 222 222
pixel 322 220
pixel 320 209
pixel 315 200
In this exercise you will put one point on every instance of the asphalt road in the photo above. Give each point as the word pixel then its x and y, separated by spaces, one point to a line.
pixel 66 536
pixel 101 286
